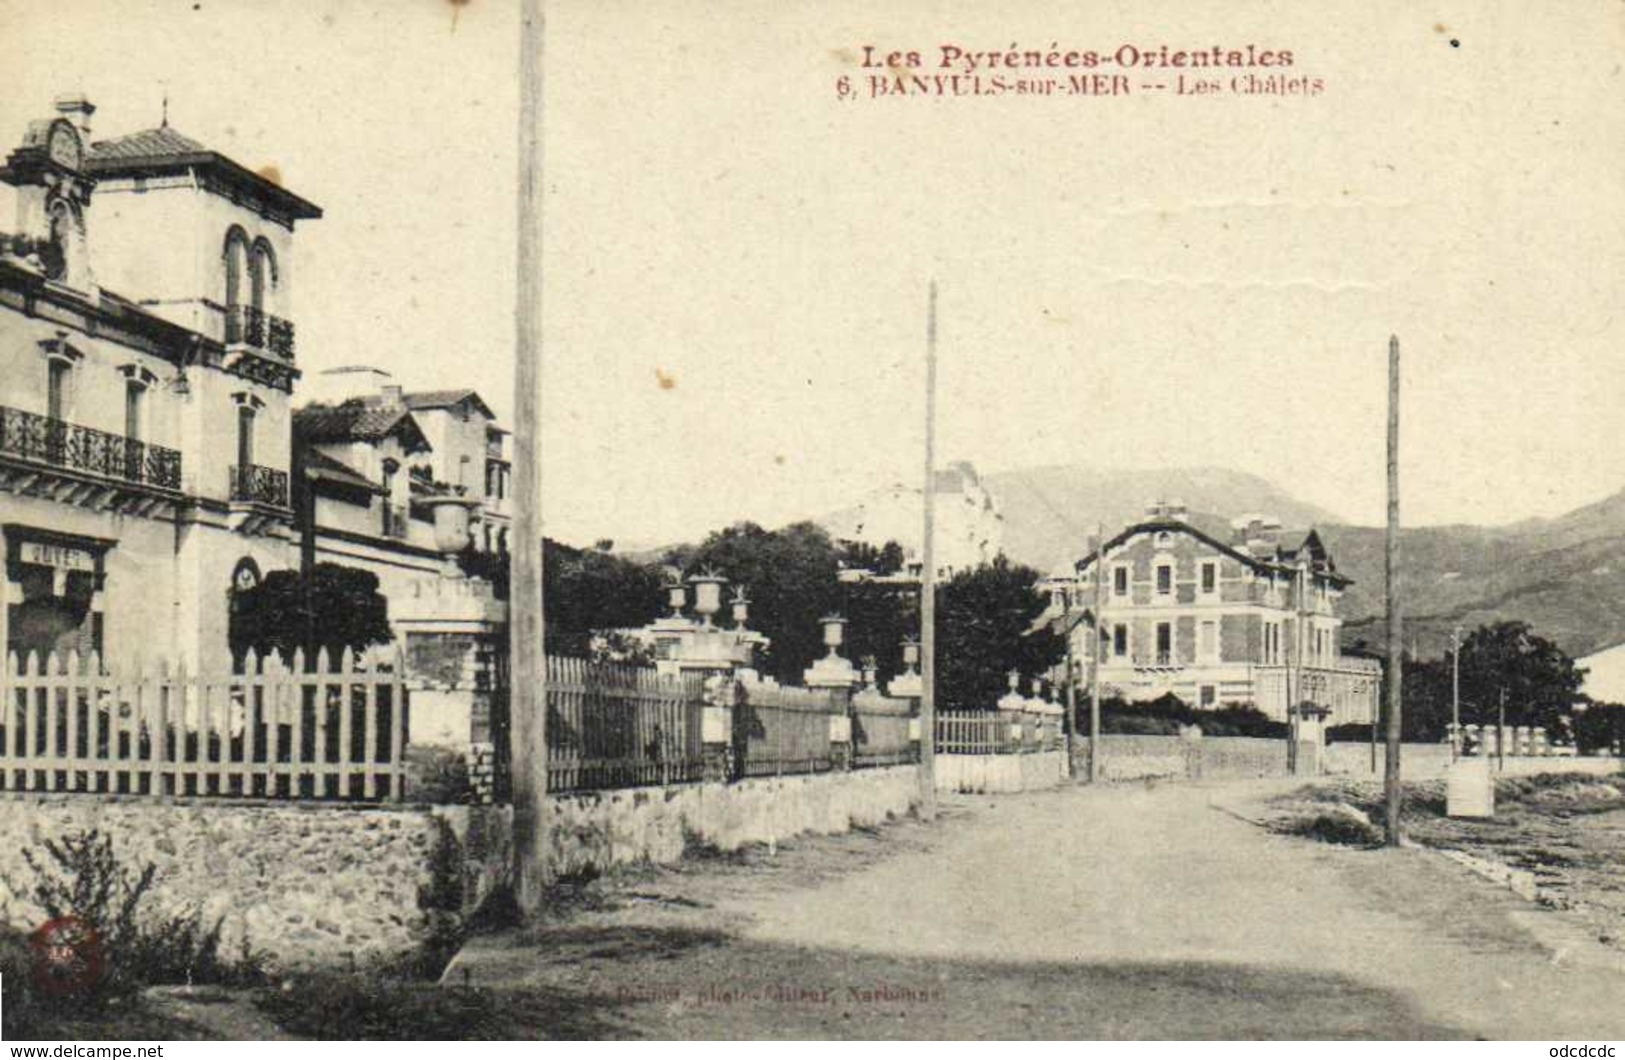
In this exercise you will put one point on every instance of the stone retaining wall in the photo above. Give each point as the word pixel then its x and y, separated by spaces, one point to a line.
pixel 599 830
pixel 310 885
pixel 302 884
pixel 1000 774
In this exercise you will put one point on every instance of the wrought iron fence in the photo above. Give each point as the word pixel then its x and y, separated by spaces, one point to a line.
pixel 988 732
pixel 880 730
pixel 68 445
pixel 260 485
pixel 615 726
pixel 782 730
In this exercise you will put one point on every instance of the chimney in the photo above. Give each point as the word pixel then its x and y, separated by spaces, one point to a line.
pixel 392 393
pixel 77 109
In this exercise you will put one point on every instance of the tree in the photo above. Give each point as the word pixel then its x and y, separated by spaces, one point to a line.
pixel 879 616
pixel 1599 727
pixel 983 622
pixel 1541 683
pixel 791 576
pixel 588 591
pixel 336 607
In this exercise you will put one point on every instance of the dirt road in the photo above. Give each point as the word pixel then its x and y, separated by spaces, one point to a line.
pixel 1117 912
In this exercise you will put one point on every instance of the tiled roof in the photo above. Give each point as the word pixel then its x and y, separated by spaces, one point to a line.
pixel 146 145
pixel 437 399
pixel 356 421
pixel 164 148
pixel 323 468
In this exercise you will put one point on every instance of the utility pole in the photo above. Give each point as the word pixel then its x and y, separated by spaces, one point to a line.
pixel 527 670
pixel 1071 687
pixel 1455 693
pixel 928 578
pixel 1396 660
pixel 1501 733
pixel 1094 658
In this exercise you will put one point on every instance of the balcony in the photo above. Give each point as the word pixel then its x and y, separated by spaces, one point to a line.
pixel 248 325
pixel 252 484
pixel 99 454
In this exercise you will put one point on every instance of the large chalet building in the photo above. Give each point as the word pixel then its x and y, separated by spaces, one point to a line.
pixel 151 460
pixel 1249 620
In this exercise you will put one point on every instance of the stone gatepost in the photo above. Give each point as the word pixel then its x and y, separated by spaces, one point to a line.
pixel 454 630
pixel 1307 731
pixel 838 677
pixel 910 686
pixel 717 728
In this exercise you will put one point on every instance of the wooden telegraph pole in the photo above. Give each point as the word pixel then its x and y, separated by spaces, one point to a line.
pixel 1094 658
pixel 1455 694
pixel 527 670
pixel 928 578
pixel 1396 642
pixel 1070 722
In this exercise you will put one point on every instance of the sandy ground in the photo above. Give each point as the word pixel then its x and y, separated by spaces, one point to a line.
pixel 1112 912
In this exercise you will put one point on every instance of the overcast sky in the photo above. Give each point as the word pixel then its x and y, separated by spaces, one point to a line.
pixel 737 260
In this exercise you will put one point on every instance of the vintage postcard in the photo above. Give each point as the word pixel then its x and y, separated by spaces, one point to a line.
pixel 548 519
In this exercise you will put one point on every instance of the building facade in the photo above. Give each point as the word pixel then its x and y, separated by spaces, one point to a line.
pixel 148 459
pixel 144 428
pixel 969 527
pixel 1250 621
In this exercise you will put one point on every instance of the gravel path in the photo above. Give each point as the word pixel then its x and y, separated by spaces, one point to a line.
pixel 1115 912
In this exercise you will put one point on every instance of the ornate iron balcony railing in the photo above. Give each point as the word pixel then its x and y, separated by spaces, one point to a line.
pixel 259 485
pixel 250 326
pixel 30 436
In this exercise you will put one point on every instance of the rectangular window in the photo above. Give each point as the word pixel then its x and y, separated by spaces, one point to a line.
pixel 1120 639
pixel 1210 578
pixel 1209 696
pixel 245 439
pixel 1165 580
pixel 1120 581
pixel 56 390
pixel 133 393
pixel 1210 640
pixel 1165 643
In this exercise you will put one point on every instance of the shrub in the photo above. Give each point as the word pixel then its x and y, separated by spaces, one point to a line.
pixel 1345 829
pixel 80 876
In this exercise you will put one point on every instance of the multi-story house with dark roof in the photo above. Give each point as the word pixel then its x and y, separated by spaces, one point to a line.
pixel 151 464
pixel 457 449
pixel 1250 618
pixel 147 357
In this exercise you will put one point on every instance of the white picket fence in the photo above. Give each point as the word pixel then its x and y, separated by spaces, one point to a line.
pixel 325 728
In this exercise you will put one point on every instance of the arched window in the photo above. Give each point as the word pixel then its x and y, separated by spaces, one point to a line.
pixel 262 273
pixel 237 267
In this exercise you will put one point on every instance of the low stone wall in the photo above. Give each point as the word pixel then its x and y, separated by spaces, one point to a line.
pixel 304 885
pixel 599 830
pixel 1130 757
pixel 310 885
pixel 1427 761
pixel 1000 774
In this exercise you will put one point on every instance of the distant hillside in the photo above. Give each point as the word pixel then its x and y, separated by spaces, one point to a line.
pixel 1564 576
pixel 1049 512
